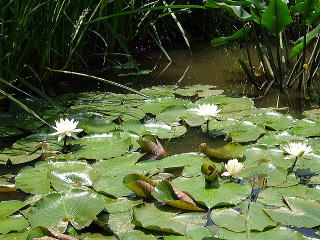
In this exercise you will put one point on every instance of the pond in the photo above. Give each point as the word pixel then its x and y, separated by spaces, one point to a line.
pixel 198 161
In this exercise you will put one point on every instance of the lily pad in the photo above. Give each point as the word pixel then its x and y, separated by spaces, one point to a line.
pixel 223 194
pixel 76 206
pixel 159 91
pixel 228 151
pixel 165 219
pixel 313 115
pixel 155 106
pixel 9 207
pixel 103 146
pixel 200 90
pixel 238 131
pixel 299 213
pixel 306 128
pixel 13 223
pixel 236 221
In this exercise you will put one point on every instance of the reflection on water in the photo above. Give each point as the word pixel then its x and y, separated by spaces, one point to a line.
pixel 219 67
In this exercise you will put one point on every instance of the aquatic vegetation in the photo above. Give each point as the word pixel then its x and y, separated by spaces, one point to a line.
pixel 208 111
pixel 109 183
pixel 270 25
pixel 66 128
pixel 233 167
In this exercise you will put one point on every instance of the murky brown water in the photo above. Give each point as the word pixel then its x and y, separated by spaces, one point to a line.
pixel 219 67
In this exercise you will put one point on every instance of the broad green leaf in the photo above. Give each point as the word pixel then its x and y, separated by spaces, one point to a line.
pixel 173 114
pixel 15 236
pixel 228 151
pixel 155 106
pixel 33 180
pixel 123 204
pixel 279 233
pixel 96 125
pixel 279 138
pixel 9 207
pixel 236 221
pixel 301 213
pixel 306 128
pixel 274 176
pixel 238 11
pixel 313 115
pixel 75 206
pixel 199 90
pixel 238 131
pixel 241 33
pixel 104 146
pixel 310 9
pixel 165 219
pixel 164 192
pixel 159 91
pixel 274 196
pixel 223 194
pixel 139 184
pixel 299 45
pixel 276 17
pixel 272 120
pixel 13 223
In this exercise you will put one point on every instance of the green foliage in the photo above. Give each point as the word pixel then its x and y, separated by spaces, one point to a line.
pixel 105 180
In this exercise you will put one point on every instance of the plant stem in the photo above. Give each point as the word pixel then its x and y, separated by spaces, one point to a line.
pixel 290 170
pixel 64 144
pixel 208 126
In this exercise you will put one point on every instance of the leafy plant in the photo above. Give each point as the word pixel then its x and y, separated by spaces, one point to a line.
pixel 269 26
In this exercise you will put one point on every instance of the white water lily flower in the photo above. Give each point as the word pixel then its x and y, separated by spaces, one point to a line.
pixel 233 167
pixel 66 127
pixel 206 110
pixel 297 149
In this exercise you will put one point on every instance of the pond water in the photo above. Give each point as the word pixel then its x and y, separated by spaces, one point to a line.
pixel 219 67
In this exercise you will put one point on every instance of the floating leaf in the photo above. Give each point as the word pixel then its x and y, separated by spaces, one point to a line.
pixel 159 91
pixel 100 147
pixel 174 197
pixel 236 221
pixel 166 219
pixel 13 223
pixel 222 195
pixel 306 128
pixel 300 213
pixel 139 184
pixel 151 145
pixel 238 131
pixel 76 206
pixel 200 90
pixel 9 207
pixel 155 106
pixel 228 151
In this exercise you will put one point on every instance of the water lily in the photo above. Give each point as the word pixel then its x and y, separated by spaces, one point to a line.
pixel 297 149
pixel 208 111
pixel 233 167
pixel 66 128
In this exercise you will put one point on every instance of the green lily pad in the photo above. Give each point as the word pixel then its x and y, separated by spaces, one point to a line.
pixel 159 91
pixel 200 90
pixel 273 120
pixel 76 206
pixel 238 131
pixel 13 223
pixel 173 114
pixel 279 233
pixel 96 125
pixel 9 207
pixel 139 184
pixel 274 196
pixel 299 213
pixel 100 147
pixel 9 132
pixel 306 128
pixel 313 115
pixel 236 221
pixel 164 192
pixel 33 180
pixel 165 219
pixel 228 151
pixel 15 236
pixel 228 104
pixel 155 106
pixel 274 175
pixel 213 196
pixel 279 138
pixel 122 204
